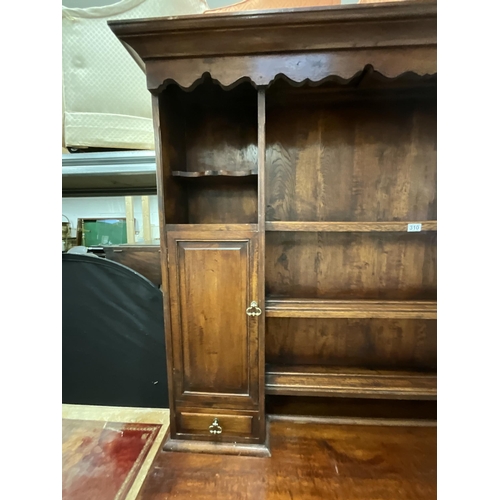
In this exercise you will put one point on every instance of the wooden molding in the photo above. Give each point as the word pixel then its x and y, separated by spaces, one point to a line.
pixel 350 382
pixel 344 227
pixel 317 308
pixel 239 449
pixel 214 173
pixel 299 44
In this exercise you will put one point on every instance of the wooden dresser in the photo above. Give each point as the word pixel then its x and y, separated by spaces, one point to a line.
pixel 296 155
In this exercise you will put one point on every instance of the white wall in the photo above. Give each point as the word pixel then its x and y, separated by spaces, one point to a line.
pixel 112 206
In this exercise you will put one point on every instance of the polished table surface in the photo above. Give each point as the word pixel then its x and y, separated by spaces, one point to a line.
pixel 309 461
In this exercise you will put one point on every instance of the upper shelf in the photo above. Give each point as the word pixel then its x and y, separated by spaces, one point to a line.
pixel 344 227
pixel 215 173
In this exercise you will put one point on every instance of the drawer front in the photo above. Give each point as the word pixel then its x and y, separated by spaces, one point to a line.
pixel 216 425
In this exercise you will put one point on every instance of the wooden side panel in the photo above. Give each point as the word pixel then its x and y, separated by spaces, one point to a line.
pixel 142 258
pixel 399 344
pixel 336 161
pixel 212 282
pixel 167 207
pixel 170 156
pixel 388 266
pixel 261 358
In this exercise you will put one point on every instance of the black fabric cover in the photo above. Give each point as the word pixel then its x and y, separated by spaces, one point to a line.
pixel 113 337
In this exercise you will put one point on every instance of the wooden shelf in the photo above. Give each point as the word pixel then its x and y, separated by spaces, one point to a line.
pixel 342 227
pixel 317 308
pixel 350 382
pixel 215 173
pixel 211 227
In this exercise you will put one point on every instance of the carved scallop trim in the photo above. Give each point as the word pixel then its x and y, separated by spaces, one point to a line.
pixel 294 82
pixel 198 81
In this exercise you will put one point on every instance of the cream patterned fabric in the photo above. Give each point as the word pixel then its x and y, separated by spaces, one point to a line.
pixel 105 100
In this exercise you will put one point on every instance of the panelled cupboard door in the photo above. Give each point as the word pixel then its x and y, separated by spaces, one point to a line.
pixel 213 281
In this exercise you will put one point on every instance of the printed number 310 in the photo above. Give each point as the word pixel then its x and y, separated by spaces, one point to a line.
pixel 414 228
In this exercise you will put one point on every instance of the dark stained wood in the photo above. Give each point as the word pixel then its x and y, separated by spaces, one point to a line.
pixel 211 227
pixel 308 462
pixel 371 411
pixel 214 354
pixel 216 154
pixel 349 382
pixel 340 40
pixel 372 343
pixel 170 157
pixel 304 419
pixel 212 351
pixel 262 69
pixel 222 200
pixel 316 308
pixel 144 259
pixel 319 66
pixel 261 281
pixel 368 86
pixel 220 128
pixel 166 161
pixel 335 111
pixel 383 266
pixel 344 227
pixel 218 447
pixel 201 422
pixel 215 173
pixel 369 162
pixel 194 424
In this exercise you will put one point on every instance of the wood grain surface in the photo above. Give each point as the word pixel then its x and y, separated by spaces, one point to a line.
pixel 373 343
pixel 380 266
pixel 317 308
pixel 349 382
pixel 369 162
pixel 308 462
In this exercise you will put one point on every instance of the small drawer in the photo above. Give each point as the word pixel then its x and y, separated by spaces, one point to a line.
pixel 215 424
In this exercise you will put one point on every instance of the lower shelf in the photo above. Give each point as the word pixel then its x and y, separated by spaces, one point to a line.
pixel 349 382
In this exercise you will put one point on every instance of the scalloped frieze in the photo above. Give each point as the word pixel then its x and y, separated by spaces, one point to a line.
pixel 262 70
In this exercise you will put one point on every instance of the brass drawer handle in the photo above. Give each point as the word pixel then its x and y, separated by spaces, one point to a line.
pixel 215 428
pixel 254 309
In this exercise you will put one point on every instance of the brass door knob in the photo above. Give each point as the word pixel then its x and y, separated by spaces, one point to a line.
pixel 215 428
pixel 254 309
